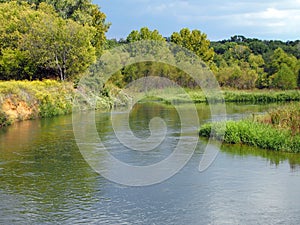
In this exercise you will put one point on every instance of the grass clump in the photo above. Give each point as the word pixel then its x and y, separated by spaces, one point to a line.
pixel 277 130
pixel 284 117
pixel 253 133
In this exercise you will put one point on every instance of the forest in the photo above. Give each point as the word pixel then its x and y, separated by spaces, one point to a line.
pixel 61 39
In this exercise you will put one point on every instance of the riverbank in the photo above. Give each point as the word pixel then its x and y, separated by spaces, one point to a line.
pixel 277 130
pixel 241 96
pixel 173 96
pixel 25 100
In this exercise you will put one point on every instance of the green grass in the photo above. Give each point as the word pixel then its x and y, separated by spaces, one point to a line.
pixel 253 134
pixel 277 130
pixel 173 95
pixel 258 96
pixel 252 96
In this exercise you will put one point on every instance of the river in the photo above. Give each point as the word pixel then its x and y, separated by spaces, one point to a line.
pixel 44 179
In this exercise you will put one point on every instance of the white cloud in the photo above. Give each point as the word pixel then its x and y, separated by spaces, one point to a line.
pixel 269 16
pixel 272 20
pixel 219 18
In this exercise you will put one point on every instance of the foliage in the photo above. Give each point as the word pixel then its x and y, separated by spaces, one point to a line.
pixel 37 43
pixel 273 64
pixel 287 117
pixel 41 98
pixel 239 62
pixel 254 134
pixel 144 34
pixel 194 41
pixel 4 120
pixel 83 12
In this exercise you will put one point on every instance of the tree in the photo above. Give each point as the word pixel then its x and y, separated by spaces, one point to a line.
pixel 81 11
pixel 62 45
pixel 41 43
pixel 144 34
pixel 282 63
pixel 196 42
pixel 280 57
pixel 284 78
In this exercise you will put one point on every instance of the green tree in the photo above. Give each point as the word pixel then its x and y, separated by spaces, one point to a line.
pixel 280 57
pixel 81 11
pixel 144 34
pixel 39 43
pixel 284 78
pixel 62 45
pixel 196 42
pixel 282 63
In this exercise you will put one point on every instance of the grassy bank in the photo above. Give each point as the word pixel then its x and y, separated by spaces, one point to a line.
pixel 278 130
pixel 251 96
pixel 238 96
pixel 23 100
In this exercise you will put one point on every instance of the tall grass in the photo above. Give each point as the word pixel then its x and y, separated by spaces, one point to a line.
pixel 286 117
pixel 254 134
pixel 278 130
pixel 253 96
pixel 172 95
pixel 266 96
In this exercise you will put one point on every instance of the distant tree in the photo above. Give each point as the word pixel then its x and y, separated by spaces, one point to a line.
pixel 196 42
pixel 283 70
pixel 258 47
pixel 238 38
pixel 284 78
pixel 144 34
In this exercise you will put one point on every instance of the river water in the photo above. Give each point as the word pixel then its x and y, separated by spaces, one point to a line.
pixel 44 179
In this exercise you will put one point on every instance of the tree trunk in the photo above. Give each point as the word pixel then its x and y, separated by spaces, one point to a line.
pixel 59 68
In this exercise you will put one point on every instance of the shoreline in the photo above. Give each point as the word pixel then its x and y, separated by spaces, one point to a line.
pixel 277 130
pixel 26 100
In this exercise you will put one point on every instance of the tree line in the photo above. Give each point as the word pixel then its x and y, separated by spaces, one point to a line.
pixel 62 39
pixel 239 62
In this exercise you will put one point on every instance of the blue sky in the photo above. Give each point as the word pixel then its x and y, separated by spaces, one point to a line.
pixel 268 19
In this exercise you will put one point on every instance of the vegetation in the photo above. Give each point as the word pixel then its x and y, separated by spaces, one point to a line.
pixel 21 100
pixel 238 96
pixel 239 63
pixel 279 130
pixel 287 117
pixel 40 41
pixel 245 63
pixel 61 40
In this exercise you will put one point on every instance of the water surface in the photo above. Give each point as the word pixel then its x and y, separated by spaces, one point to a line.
pixel 45 180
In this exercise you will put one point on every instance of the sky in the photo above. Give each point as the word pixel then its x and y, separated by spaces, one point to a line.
pixel 219 19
